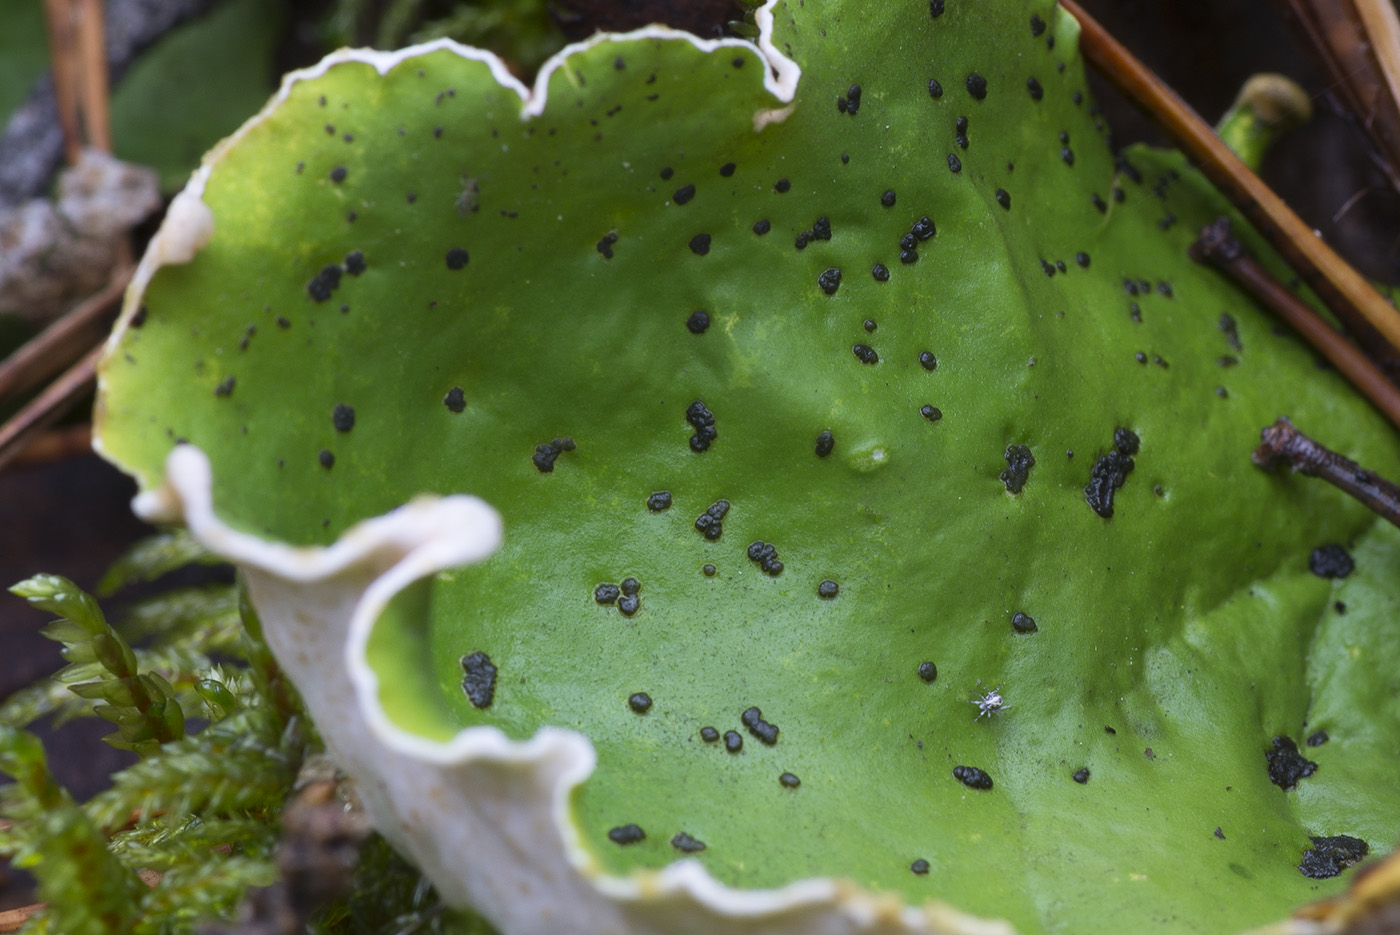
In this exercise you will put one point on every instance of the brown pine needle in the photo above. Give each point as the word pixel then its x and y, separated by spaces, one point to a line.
pixel 62 342
pixel 49 406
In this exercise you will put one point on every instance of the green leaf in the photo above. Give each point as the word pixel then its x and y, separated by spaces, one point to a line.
pixel 448 271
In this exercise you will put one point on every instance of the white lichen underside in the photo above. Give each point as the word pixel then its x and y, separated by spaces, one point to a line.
pixel 485 817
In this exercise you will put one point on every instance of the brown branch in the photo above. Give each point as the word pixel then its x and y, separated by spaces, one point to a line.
pixel 63 341
pixel 1284 444
pixel 1355 302
pixel 1219 248
pixel 48 407
pixel 12 920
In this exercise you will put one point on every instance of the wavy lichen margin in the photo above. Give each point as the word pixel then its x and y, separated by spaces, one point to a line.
pixel 509 799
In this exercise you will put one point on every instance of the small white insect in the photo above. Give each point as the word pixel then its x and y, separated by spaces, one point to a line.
pixel 989 703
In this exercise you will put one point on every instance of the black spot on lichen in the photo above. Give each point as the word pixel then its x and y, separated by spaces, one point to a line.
pixel 888 198
pixel 765 555
pixel 869 326
pixel 928 671
pixel 1098 202
pixel 1019 462
pixel 707 570
pixel 880 272
pixel 1034 89
pixel 1231 331
pixel 954 163
pixel 828 589
pixel 1126 441
pixel 1317 738
pixel 355 262
pixel 455 400
pixel 923 228
pixel 626 834
pixel 709 734
pixel 326 458
pixel 139 318
pixel 1330 856
pixel 479 679
pixel 1067 156
pixel 1330 561
pixel 682 841
pixel 1037 25
pixel 703 421
pixel 850 104
pixel 935 8
pixel 225 388
pixel 977 86
pixel 826 442
pixel 605 245
pixel 1082 259
pixel 782 186
pixel 606 593
pixel 343 417
pixel 789 781
pixel 1023 623
pixel 666 173
pixel 683 194
pixel 1003 198
pixel 727 169
pixel 711 522
pixel 931 413
pixel 630 586
pixel 700 244
pixel 338 174
pixel 545 455
pixel 919 866
pixel 639 702
pixel 972 777
pixel 1110 472
pixel 762 227
pixel 733 743
pixel 1286 765
pixel 865 354
pixel 629 604
pixel 1081 776
pixel 456 258
pixel 935 90
pixel 698 321
pixel 661 500
pixel 324 283
pixel 1218 833
pixel 927 360
pixel 765 733
pixel 830 280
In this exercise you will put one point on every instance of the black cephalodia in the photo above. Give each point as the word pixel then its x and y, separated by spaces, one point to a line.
pixel 1286 764
pixel 762 227
pixel 324 283
pixel 1218 833
pixel 338 174
pixel 977 86
pixel 283 322
pixel 1081 775
pixel 828 589
pixel 545 455
pixel 1034 89
pixel 830 280
pixel 1317 738
pixel 627 834
pixel 766 557
pixel 1067 156
pixel 972 777
pixel 703 421
pixel 606 593
pixel 733 743
pixel 355 262
pixel 1126 441
pixel 326 458
pixel 1330 856
pixel 821 229
pixel 802 240
pixel 932 413
pixel 1003 198
pixel 1060 265
pixel 1019 462
pixel 961 140
pixel 1164 288
pixel 683 194
pixel 456 258
pixel 661 500
pixel 139 318
pixel 631 586
pixel 887 199
pixel 1111 471
pixel 927 671
pixel 1023 623
pixel 1135 312
pixel 927 360
pixel 700 244
pixel 343 417
pixel 698 322
pixel 455 400
pixel 709 734
pixel 907 242
pixel 1231 332
pixel 629 604
pixel 935 90
pixel 639 702
pixel 708 570
pixel 1037 25
pixel 479 679
pixel 1047 267
pixel 954 163
pixel 919 866
pixel 1098 202
pixel 935 8
pixel 825 443
pixel 605 245
pixel 711 522
pixel 1082 259
pixel 880 272
pixel 869 325
pixel 727 169
pixel 686 844
pixel 225 388
pixel 766 733
pixel 849 104
pixel 908 256
pixel 789 781
pixel 782 186
pixel 923 228
pixel 666 173
pixel 865 354
pixel 1330 561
